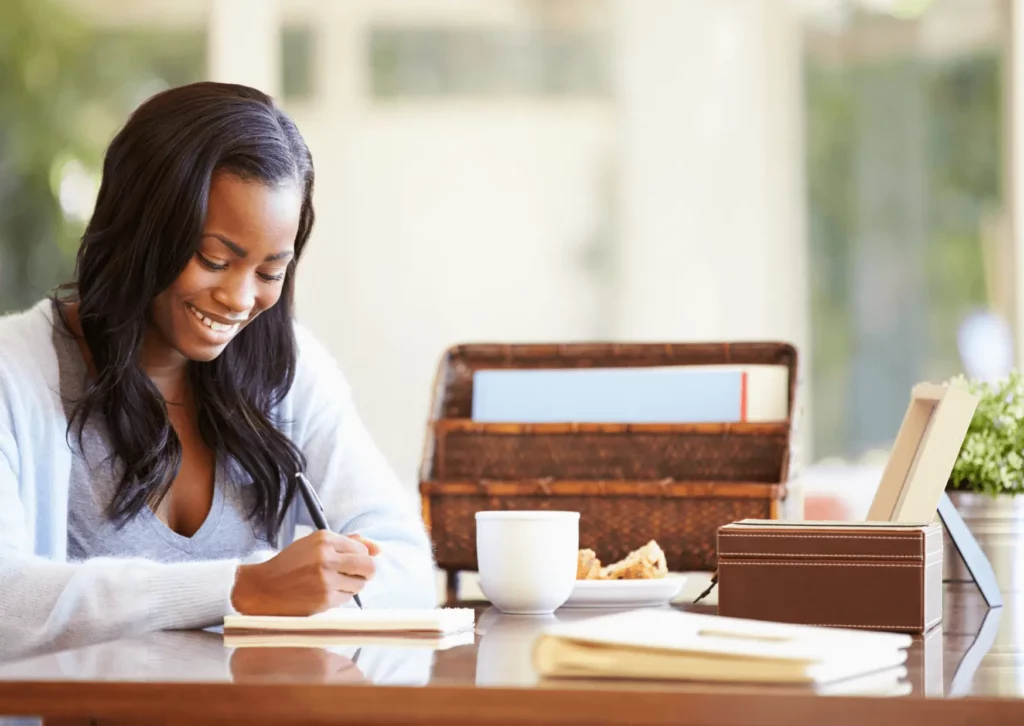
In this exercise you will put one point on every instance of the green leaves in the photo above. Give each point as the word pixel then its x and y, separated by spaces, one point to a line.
pixel 991 457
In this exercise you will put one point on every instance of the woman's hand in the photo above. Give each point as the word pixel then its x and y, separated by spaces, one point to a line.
pixel 320 571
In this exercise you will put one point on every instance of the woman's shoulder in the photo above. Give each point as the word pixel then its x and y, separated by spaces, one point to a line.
pixel 26 342
pixel 317 372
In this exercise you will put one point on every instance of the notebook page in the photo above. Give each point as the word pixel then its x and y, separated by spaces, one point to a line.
pixel 555 658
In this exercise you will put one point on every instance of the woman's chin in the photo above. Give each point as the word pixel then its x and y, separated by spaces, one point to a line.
pixel 199 350
pixel 206 356
pixel 201 355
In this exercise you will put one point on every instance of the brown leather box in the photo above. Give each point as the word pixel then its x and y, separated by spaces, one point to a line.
pixel 872 575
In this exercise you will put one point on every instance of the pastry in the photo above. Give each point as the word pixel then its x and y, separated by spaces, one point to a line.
pixel 646 563
pixel 588 567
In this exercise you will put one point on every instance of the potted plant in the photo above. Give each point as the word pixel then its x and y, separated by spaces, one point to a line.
pixel 989 474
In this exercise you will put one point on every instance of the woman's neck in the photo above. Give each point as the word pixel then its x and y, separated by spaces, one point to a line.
pixel 166 367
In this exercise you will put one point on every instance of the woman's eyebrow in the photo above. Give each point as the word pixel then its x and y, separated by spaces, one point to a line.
pixel 241 251
pixel 231 245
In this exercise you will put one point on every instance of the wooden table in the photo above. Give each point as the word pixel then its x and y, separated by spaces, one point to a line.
pixel 971 671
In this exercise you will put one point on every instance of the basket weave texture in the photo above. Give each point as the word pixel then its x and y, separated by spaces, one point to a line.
pixel 676 483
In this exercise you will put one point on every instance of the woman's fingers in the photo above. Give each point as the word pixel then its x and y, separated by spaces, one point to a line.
pixel 350 585
pixel 372 547
pixel 354 543
pixel 355 565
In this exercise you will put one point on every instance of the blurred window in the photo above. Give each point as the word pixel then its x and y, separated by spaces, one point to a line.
pixel 298 54
pixel 527 61
pixel 908 229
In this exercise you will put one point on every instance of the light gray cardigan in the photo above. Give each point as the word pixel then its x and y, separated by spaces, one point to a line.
pixel 46 601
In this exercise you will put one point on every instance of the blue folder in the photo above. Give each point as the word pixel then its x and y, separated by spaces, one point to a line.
pixel 608 395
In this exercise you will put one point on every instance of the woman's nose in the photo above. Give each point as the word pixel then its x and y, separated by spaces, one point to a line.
pixel 238 294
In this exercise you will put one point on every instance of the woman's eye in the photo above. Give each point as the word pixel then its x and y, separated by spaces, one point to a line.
pixel 208 263
pixel 272 277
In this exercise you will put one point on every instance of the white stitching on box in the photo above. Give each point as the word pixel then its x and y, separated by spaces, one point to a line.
pixel 815 554
pixel 815 536
pixel 866 627
pixel 817 564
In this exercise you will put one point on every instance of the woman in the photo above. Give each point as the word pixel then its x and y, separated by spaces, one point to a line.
pixel 153 417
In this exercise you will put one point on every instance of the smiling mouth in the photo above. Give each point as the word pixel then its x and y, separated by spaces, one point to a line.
pixel 212 324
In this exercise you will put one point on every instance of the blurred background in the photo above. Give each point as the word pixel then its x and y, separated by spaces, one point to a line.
pixel 835 173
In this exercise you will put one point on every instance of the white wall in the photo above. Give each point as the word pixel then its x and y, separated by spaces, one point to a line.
pixel 712 231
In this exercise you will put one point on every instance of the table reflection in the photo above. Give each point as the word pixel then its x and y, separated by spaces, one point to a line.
pixel 209 657
pixel 295 664
pixel 976 653
pixel 504 659
pixel 984 649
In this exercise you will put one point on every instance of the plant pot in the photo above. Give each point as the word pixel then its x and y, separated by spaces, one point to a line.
pixel 998 525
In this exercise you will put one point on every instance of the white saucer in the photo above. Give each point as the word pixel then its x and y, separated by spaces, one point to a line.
pixel 625 593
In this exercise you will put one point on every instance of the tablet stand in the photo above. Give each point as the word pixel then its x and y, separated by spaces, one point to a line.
pixel 913 486
pixel 970 552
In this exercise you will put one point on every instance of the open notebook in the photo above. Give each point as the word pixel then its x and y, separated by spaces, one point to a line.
pixel 674 645
pixel 439 621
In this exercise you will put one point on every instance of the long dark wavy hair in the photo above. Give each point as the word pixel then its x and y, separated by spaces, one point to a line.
pixel 145 229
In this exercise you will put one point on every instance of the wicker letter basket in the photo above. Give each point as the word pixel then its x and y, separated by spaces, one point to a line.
pixel 675 483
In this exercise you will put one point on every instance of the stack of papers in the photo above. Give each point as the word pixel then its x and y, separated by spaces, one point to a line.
pixel 676 645
pixel 427 641
pixel 431 622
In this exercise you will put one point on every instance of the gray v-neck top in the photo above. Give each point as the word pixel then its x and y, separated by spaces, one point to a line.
pixel 225 534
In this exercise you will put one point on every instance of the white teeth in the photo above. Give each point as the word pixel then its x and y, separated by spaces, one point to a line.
pixel 212 324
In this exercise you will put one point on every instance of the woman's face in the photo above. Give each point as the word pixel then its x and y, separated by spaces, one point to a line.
pixel 247 243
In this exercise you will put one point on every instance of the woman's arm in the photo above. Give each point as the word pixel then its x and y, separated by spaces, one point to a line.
pixel 55 604
pixel 360 492
pixel 46 604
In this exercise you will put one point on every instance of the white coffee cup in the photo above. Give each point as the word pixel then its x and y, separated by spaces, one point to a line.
pixel 527 559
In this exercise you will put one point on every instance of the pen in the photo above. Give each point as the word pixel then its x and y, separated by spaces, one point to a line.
pixel 316 510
